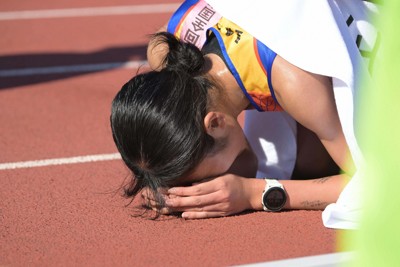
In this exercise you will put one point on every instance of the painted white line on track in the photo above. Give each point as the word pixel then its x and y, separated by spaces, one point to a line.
pixel 72 68
pixel 89 11
pixel 326 260
pixel 59 161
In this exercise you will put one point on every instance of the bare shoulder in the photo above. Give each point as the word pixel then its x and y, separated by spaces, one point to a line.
pixel 290 82
pixel 306 96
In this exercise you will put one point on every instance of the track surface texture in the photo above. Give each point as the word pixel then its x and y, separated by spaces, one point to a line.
pixel 58 76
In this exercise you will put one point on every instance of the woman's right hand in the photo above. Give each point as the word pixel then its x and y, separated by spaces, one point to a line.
pixel 221 196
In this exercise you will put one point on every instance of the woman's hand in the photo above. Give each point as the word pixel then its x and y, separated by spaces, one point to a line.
pixel 230 194
pixel 222 196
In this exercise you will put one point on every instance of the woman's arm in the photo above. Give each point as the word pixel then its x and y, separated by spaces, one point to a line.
pixel 314 194
pixel 231 194
pixel 309 99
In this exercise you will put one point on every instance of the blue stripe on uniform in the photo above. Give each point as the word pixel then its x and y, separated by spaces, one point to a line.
pixel 179 13
pixel 267 57
pixel 233 69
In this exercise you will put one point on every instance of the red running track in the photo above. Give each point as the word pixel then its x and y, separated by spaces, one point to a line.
pixel 73 214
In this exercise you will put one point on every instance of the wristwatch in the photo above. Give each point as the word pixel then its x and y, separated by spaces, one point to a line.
pixel 274 195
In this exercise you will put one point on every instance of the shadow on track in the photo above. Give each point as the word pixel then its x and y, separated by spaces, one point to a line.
pixel 46 60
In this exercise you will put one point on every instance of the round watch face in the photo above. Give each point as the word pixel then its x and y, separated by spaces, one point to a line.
pixel 274 199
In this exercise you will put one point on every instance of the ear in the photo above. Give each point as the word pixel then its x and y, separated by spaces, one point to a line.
pixel 215 124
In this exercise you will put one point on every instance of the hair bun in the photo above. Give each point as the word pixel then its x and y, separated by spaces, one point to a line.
pixel 181 57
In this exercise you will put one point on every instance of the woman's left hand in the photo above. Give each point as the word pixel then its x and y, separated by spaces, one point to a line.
pixel 220 196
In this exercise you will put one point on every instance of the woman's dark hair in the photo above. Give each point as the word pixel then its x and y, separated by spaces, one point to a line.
pixel 157 119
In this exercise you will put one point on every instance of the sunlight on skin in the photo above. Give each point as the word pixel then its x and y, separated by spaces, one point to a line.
pixel 377 242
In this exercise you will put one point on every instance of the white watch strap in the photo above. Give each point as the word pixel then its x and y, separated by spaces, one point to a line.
pixel 272 183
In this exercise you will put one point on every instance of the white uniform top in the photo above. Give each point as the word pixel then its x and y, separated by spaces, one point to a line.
pixel 334 38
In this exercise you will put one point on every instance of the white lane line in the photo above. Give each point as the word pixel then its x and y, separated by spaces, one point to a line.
pixel 59 161
pixel 89 11
pixel 326 260
pixel 72 68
